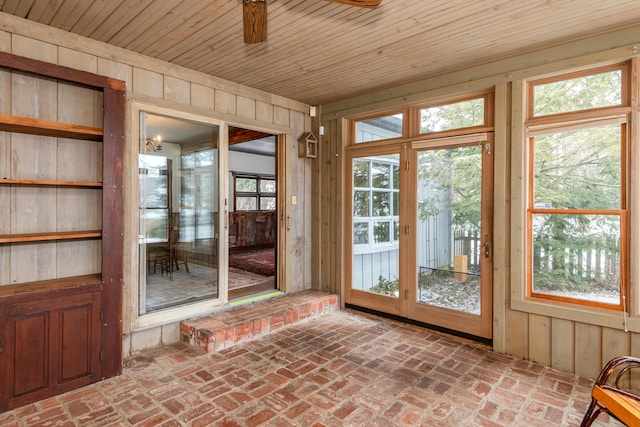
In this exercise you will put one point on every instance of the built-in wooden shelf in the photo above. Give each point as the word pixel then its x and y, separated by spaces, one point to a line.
pixel 49 128
pixel 45 182
pixel 43 237
pixel 29 288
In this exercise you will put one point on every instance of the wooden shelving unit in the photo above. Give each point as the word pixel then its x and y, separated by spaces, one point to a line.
pixel 62 333
pixel 45 237
pixel 43 182
pixel 47 128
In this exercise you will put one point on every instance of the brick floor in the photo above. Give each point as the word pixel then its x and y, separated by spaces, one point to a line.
pixel 340 369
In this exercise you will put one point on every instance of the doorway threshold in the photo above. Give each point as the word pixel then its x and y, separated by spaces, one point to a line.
pixel 481 340
pixel 255 297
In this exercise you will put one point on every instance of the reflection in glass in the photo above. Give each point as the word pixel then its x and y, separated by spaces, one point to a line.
pixel 449 241
pixel 381 203
pixel 361 203
pixel 246 203
pixel 360 174
pixel 247 185
pixel 267 203
pixel 361 233
pixel 380 174
pixel 577 256
pixel 267 185
pixel 178 183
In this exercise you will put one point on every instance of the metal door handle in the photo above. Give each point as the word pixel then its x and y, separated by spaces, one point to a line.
pixel 487 246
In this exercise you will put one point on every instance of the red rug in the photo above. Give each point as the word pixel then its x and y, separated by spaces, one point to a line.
pixel 261 261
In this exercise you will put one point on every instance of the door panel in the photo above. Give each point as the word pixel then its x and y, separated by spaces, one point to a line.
pixel 453 247
pixel 49 344
pixel 375 250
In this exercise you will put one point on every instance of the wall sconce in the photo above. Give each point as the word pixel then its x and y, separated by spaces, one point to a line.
pixel 153 144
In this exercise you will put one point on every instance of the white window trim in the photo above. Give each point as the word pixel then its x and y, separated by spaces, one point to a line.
pixel 137 321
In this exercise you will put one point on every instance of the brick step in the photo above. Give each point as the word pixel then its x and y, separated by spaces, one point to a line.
pixel 242 323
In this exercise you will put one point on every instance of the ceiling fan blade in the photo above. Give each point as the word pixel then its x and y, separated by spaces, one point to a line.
pixel 254 19
pixel 371 4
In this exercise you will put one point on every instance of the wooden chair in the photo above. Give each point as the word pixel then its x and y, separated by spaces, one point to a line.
pixel 611 397
pixel 157 256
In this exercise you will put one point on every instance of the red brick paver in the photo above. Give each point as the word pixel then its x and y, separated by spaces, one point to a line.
pixel 340 369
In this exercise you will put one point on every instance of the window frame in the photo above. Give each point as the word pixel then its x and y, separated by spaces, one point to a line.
pixel 535 125
pixel 257 194
pixel 411 120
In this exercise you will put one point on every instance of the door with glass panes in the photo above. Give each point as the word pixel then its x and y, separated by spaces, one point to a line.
pixel 420 241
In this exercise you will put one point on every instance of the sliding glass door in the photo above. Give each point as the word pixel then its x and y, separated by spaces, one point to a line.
pixel 178 212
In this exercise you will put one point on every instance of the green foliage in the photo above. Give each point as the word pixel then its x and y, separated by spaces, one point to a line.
pixel 580 93
pixel 386 287
pixel 454 177
pixel 452 116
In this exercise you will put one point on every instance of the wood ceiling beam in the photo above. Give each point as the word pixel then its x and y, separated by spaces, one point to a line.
pixel 237 135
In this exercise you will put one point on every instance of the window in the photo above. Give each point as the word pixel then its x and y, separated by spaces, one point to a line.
pixel 577 188
pixel 379 128
pixel 376 191
pixel 154 208
pixel 456 115
pixel 255 192
pixel 197 201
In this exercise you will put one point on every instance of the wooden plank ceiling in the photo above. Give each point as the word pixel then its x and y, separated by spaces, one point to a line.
pixel 318 51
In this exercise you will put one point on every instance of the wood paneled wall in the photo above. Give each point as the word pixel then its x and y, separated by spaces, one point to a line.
pixel 163 84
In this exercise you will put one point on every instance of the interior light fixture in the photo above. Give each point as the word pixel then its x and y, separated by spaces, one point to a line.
pixel 153 144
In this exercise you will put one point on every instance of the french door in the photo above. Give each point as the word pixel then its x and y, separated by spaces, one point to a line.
pixel 420 240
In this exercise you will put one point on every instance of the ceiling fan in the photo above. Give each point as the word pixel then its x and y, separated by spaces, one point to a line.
pixel 254 13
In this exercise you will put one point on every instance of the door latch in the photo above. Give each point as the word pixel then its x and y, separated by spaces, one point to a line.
pixel 487 246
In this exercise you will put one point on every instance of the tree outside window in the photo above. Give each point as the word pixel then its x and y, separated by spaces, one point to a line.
pixel 576 203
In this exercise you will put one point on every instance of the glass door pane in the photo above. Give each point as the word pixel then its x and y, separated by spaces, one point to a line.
pixel 449 235
pixel 375 215
pixel 178 212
